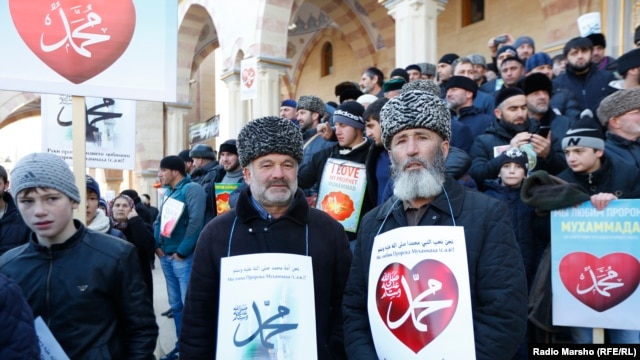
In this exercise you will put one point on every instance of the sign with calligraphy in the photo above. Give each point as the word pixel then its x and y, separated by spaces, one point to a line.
pixel 249 79
pixel 111 131
pixel 276 318
pixel 594 265
pixel 419 300
pixel 123 49
pixel 342 190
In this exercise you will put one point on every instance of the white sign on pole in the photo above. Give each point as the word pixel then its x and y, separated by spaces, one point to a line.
pixel 249 79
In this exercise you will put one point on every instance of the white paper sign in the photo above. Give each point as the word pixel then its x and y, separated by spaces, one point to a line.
pixel 267 307
pixel 419 300
pixel 50 349
pixel 169 215
pixel 249 79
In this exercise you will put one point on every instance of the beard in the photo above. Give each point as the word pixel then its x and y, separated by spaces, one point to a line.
pixel 538 109
pixel 579 68
pixel 515 128
pixel 268 197
pixel 418 184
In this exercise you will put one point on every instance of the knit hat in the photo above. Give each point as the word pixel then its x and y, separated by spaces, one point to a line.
pixel 412 67
pixel 289 103
pixel 506 48
pixel 578 43
pixel 584 132
pixel 512 58
pixel 525 40
pixel 269 135
pixel 412 110
pixel 350 94
pixel 448 58
pixel 537 81
pixel 618 103
pixel 44 170
pixel 229 146
pixel 463 82
pixel 173 162
pixel 93 185
pixel 427 69
pixel 507 92
pixel 628 61
pixel 184 155
pixel 400 72
pixel 311 103
pixel 429 86
pixel 132 194
pixel 478 59
pixel 202 151
pixel 597 39
pixel 393 84
pixel 350 113
pixel 538 59
pixel 514 155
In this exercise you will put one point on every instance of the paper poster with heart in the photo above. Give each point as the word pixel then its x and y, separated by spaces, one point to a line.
pixel 248 79
pixel 123 49
pixel 419 298
pixel 595 265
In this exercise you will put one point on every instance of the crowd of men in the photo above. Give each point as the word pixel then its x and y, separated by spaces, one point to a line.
pixel 446 144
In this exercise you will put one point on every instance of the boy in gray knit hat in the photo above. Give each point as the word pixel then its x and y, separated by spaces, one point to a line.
pixel 58 269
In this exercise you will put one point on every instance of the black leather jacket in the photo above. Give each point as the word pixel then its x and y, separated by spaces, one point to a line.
pixel 90 292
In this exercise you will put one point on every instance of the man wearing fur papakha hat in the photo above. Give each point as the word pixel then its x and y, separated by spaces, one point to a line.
pixel 416 130
pixel 619 114
pixel 271 216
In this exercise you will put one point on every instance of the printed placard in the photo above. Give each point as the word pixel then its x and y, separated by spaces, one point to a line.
pixel 248 79
pixel 419 298
pixel 275 319
pixel 50 348
pixel 223 194
pixel 170 214
pixel 595 270
pixel 342 190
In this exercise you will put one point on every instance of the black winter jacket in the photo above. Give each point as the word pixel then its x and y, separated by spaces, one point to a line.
pixel 207 176
pixel 590 88
pixel 18 338
pixel 330 256
pixel 619 179
pixel 90 292
pixel 13 230
pixel 620 149
pixel 496 272
pixel 140 234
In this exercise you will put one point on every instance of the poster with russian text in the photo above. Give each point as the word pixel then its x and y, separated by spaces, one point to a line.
pixel 342 190
pixel 419 297
pixel 267 308
pixel 111 131
pixel 594 265
pixel 125 49
pixel 223 196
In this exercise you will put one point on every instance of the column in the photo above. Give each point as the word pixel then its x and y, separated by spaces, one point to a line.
pixel 238 111
pixel 416 29
pixel 175 133
pixel 270 72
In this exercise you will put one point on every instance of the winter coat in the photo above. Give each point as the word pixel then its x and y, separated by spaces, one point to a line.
pixel 619 179
pixel 496 273
pixel 476 120
pixel 461 136
pixel 140 235
pixel 90 292
pixel 619 149
pixel 373 169
pixel 313 146
pixel 206 177
pixel 327 246
pixel 565 102
pixel 13 230
pixel 485 166
pixel 188 226
pixel 589 89
pixel 18 338
pixel 485 103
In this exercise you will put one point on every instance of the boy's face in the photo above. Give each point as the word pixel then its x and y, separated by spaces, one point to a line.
pixel 48 213
pixel 373 131
pixel 582 159
pixel 92 205
pixel 512 174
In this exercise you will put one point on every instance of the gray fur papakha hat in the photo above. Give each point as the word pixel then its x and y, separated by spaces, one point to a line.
pixel 269 135
pixel 618 103
pixel 414 110
pixel 44 170
pixel 311 103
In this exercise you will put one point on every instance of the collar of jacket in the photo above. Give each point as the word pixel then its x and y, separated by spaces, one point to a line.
pixel 468 110
pixel 599 176
pixel 179 185
pixel 69 243
pixel 619 140
pixel 592 69
pixel 298 210
pixel 307 134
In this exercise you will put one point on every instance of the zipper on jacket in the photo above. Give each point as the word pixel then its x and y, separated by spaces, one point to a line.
pixel 48 287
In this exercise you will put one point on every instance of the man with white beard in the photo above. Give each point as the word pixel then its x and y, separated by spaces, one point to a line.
pixel 416 129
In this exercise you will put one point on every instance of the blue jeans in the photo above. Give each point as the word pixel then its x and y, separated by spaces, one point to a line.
pixel 177 274
pixel 585 336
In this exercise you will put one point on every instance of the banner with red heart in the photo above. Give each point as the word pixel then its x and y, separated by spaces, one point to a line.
pixel 77 39
pixel 417 304
pixel 248 77
pixel 600 283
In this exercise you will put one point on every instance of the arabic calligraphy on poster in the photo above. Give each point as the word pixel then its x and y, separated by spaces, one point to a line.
pixel 266 307
pixel 419 300
pixel 90 48
pixel 111 131
pixel 595 267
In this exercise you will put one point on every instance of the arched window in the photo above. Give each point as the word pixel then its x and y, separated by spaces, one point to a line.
pixel 327 59
pixel 472 11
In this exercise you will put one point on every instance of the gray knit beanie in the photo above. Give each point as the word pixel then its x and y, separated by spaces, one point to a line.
pixel 44 170
pixel 311 103
pixel 412 110
pixel 269 135
pixel 618 103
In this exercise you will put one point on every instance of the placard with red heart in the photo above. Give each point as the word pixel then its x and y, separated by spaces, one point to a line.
pixel 248 77
pixel 417 304
pixel 77 39
pixel 600 283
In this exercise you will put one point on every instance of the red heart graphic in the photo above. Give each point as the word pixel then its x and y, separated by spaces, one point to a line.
pixel 600 283
pixel 78 39
pixel 248 77
pixel 418 304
